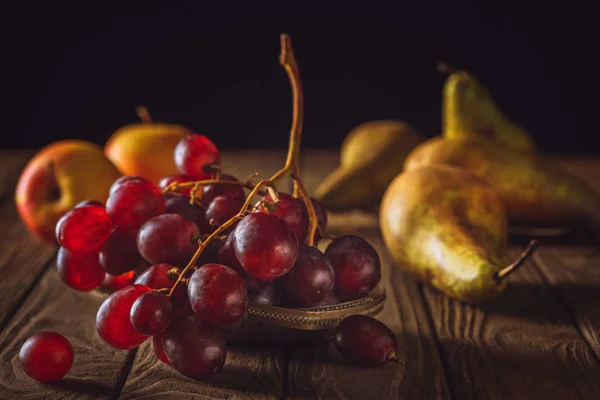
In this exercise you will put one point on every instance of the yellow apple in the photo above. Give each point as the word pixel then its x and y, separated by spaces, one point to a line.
pixel 58 177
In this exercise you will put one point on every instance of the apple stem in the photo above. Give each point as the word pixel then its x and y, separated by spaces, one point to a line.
pixel 445 68
pixel 143 114
pixel 291 167
pixel 528 252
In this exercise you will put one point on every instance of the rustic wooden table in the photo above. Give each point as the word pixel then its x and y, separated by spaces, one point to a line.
pixel 540 340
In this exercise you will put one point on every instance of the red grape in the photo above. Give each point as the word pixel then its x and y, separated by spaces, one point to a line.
pixel 168 180
pixel 116 282
pixel 356 265
pixel 84 228
pixel 193 348
pixel 46 356
pixel 210 255
pixel 179 204
pixel 133 203
pixel 80 271
pixel 218 294
pixel 291 212
pixel 88 203
pixel 311 279
pixel 321 214
pixel 365 341
pixel 112 321
pixel 211 191
pixel 151 313
pixel 265 246
pixel 330 300
pixel 168 238
pixel 193 154
pixel 220 210
pixel 157 348
pixel 155 277
pixel 119 253
pixel 227 257
pixel 123 180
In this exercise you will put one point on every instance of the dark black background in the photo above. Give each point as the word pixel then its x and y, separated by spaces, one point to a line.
pixel 79 71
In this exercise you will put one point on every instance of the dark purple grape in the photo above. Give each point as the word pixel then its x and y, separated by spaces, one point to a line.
pixel 269 295
pixel 291 212
pixel 265 246
pixel 311 280
pixel 226 256
pixel 178 178
pixel 365 341
pixel 179 204
pixel 151 313
pixel 209 192
pixel 220 210
pixel 168 238
pixel 119 253
pixel 218 294
pixel 193 348
pixel 356 265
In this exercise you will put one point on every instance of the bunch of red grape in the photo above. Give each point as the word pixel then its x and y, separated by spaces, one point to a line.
pixel 141 240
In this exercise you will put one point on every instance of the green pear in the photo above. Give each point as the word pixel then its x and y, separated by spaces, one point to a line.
pixel 372 154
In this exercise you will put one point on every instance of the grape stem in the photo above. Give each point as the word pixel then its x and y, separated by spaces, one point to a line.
pixel 291 167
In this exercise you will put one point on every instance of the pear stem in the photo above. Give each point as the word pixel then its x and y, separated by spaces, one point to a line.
pixel 504 272
pixel 445 68
pixel 143 114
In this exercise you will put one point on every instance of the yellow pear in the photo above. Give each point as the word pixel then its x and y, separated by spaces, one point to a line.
pixel 448 227
pixel 372 154
pixel 469 111
pixel 534 190
pixel 146 148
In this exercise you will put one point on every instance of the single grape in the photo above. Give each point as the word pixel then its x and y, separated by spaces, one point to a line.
pixel 123 180
pixel 151 313
pixel 193 348
pixel 194 154
pixel 115 282
pixel 220 210
pixel 311 280
pixel 356 265
pixel 88 203
pixel 133 203
pixel 80 271
pixel 46 356
pixel 157 348
pixel 365 341
pixel 155 277
pixel 179 204
pixel 168 238
pixel 84 228
pixel 112 321
pixel 210 255
pixel 119 253
pixel 209 192
pixel 265 246
pixel 291 212
pixel 321 214
pixel 218 294
pixel 226 256
pixel 269 295
pixel 178 178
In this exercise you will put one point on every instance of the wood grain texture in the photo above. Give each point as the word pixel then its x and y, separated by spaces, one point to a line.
pixel 22 257
pixel 572 267
pixel 521 345
pixel 98 370
pixel 317 372
pixel 250 372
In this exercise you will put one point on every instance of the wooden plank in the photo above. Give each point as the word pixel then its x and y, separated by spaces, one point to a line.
pixel 317 373
pixel 521 345
pixel 572 267
pixel 98 370
pixel 22 257
pixel 249 372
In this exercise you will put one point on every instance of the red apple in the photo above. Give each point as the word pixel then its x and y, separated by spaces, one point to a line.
pixel 57 178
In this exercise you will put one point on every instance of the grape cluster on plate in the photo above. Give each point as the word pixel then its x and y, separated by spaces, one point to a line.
pixel 140 241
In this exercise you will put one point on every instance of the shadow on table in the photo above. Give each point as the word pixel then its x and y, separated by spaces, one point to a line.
pixel 84 386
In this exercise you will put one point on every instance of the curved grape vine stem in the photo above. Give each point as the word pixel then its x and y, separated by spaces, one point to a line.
pixel 291 167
